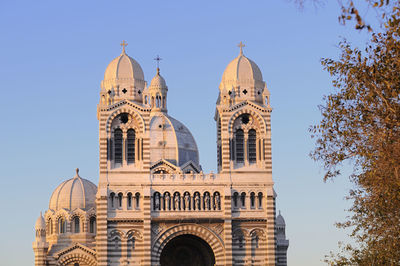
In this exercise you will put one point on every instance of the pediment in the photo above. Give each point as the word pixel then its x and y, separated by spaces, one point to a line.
pixel 76 253
pixel 256 106
pixel 164 166
pixel 191 166
pixel 74 248
pixel 128 103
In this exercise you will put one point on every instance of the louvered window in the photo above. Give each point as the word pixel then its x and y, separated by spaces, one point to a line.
pixel 131 146
pixel 118 146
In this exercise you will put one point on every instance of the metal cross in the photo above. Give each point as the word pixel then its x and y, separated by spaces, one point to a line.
pixel 123 44
pixel 158 59
pixel 241 45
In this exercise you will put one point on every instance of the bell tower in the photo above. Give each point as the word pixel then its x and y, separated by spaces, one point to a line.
pixel 243 118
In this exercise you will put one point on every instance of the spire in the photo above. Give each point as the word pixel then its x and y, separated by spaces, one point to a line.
pixel 123 44
pixel 241 45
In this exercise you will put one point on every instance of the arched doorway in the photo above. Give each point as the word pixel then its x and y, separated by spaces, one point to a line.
pixel 187 250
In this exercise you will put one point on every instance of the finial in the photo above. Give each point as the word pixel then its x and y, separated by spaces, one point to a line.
pixel 241 45
pixel 279 212
pixel 158 59
pixel 123 44
pixel 77 172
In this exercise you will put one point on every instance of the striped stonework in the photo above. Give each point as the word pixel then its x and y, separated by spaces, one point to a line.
pixel 153 199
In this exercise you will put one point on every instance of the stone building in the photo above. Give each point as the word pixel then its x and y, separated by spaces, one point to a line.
pixel 153 204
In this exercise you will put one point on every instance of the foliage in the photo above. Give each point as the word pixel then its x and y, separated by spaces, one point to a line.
pixel 386 11
pixel 361 124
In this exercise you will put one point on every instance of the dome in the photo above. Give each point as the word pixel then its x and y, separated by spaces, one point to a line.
pixel 242 71
pixel 40 223
pixel 279 220
pixel 123 71
pixel 172 141
pixel 74 193
pixel 158 82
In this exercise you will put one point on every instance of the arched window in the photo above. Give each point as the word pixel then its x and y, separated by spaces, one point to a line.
pixel 61 225
pixel 112 196
pixel 129 200
pixel 49 226
pixel 76 225
pixel 92 225
pixel 120 200
pixel 235 199
pixel 145 99
pixel 252 200
pixel 157 101
pixel 252 150
pixel 118 145
pixel 243 199
pixel 239 146
pixel 130 146
pixel 137 196
pixel 260 200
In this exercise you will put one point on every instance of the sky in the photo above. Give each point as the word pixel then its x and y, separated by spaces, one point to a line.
pixel 52 59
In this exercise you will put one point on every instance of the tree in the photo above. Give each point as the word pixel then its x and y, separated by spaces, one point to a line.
pixel 361 124
pixel 386 11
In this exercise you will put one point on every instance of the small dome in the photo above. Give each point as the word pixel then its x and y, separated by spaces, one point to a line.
pixel 158 82
pixel 40 223
pixel 242 71
pixel 74 193
pixel 279 220
pixel 123 71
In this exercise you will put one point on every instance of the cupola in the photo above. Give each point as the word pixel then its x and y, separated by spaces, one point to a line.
pixel 123 79
pixel 242 80
pixel 40 228
pixel 155 95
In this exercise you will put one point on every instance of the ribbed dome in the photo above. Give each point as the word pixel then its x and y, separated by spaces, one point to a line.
pixel 74 193
pixel 158 82
pixel 123 71
pixel 172 141
pixel 242 71
pixel 40 223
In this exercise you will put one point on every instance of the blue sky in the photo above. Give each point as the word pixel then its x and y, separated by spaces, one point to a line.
pixel 52 59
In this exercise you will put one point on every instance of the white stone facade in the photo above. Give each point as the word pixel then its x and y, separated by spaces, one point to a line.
pixel 153 204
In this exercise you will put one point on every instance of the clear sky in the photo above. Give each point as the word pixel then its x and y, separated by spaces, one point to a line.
pixel 52 59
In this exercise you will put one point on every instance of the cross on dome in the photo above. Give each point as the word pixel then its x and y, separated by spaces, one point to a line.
pixel 241 45
pixel 123 44
pixel 158 59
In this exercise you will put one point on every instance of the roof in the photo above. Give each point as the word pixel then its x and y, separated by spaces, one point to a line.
pixel 74 193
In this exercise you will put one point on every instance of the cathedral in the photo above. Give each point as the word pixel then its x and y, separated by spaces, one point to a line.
pixel 153 204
